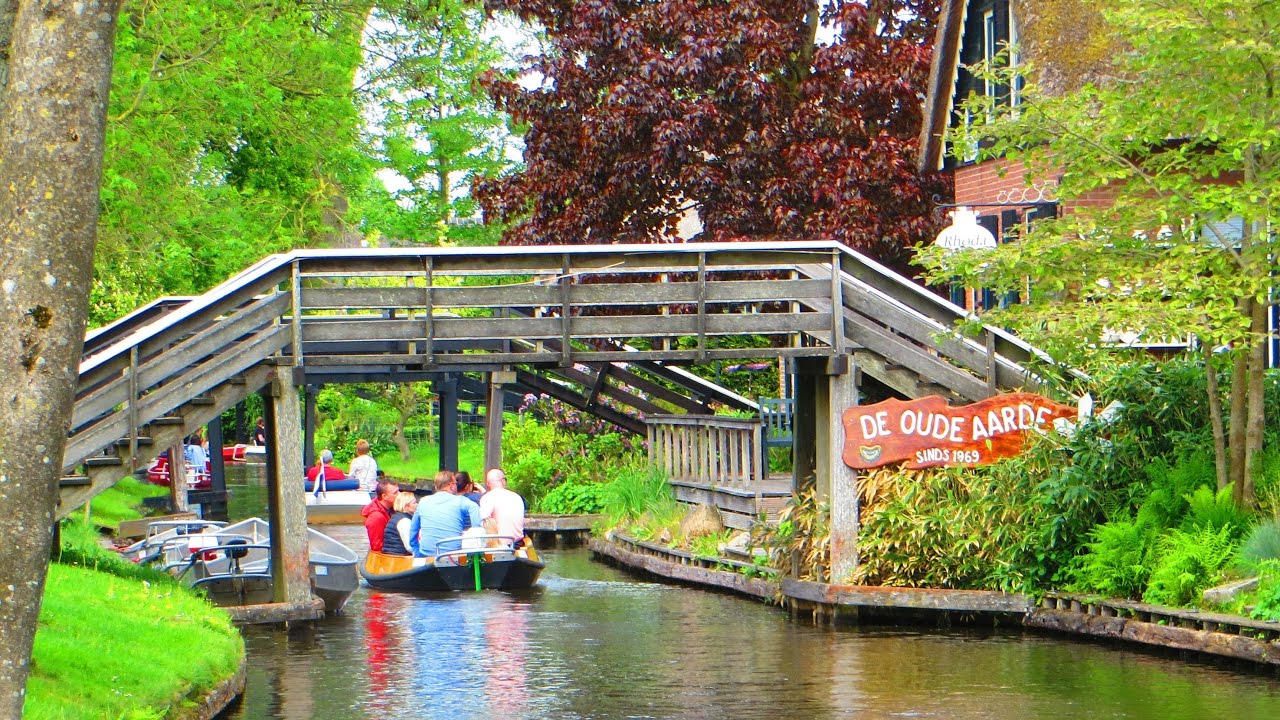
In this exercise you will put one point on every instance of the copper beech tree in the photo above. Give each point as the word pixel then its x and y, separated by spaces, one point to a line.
pixel 768 118
pixel 57 58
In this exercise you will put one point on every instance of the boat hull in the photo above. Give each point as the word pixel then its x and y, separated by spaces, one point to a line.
pixel 340 507
pixel 504 572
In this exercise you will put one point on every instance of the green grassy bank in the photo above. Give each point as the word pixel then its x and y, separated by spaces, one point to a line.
pixel 424 462
pixel 120 641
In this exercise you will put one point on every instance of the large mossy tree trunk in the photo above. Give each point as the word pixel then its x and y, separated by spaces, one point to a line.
pixel 52 118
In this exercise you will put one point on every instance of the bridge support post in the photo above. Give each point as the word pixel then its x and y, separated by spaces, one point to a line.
pixel 217 508
pixel 286 501
pixel 309 427
pixel 178 476
pixel 447 389
pixel 493 418
pixel 824 389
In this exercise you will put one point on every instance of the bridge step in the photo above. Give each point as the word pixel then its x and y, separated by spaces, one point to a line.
pixel 167 420
pixel 202 400
pixel 103 461
pixel 71 481
pixel 143 441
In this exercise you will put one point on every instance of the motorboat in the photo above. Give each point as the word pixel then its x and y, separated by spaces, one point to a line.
pixel 231 564
pixel 235 453
pixel 483 562
pixel 336 507
pixel 197 478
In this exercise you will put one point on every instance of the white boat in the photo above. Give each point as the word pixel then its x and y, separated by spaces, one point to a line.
pixel 232 563
pixel 336 507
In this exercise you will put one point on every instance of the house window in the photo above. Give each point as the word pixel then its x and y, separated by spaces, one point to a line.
pixel 988 31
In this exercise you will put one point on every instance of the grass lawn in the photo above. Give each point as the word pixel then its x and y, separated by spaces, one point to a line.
pixel 424 462
pixel 122 502
pixel 112 647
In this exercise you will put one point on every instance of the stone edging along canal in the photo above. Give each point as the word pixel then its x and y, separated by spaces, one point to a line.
pixel 1171 628
pixel 219 698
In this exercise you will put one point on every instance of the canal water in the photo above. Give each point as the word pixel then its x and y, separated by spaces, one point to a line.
pixel 594 642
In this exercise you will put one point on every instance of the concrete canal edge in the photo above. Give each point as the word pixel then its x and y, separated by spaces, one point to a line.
pixel 1225 636
pixel 219 698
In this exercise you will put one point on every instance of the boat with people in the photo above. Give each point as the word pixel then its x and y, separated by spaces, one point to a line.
pixel 231 563
pixel 483 562
pixel 197 478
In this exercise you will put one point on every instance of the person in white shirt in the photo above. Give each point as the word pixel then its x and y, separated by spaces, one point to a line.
pixel 504 506
pixel 363 467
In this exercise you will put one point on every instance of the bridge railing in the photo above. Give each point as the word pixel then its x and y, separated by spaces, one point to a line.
pixel 151 370
pixel 669 302
pixel 707 450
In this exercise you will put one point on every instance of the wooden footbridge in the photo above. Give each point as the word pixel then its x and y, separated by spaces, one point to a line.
pixel 578 323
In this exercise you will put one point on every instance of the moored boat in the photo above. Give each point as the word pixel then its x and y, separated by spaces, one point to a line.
pixel 336 507
pixel 488 567
pixel 232 563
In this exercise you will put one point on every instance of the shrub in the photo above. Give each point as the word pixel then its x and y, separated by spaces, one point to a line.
pixel 1188 563
pixel 574 499
pixel 1262 545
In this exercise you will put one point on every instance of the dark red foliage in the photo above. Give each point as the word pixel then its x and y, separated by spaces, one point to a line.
pixel 649 106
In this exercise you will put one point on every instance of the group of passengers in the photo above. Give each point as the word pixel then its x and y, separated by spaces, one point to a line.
pixel 363 469
pixel 399 524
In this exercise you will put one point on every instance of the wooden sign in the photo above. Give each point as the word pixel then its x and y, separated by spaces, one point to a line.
pixel 928 433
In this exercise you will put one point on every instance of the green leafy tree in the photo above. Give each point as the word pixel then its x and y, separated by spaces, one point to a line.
pixel 233 131
pixel 1182 138
pixel 435 128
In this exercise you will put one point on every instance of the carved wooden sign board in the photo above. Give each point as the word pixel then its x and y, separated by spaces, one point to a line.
pixel 926 432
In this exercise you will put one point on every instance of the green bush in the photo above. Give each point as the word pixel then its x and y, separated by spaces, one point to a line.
pixel 574 499
pixel 1189 562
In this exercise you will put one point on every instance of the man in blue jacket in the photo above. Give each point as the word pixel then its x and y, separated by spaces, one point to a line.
pixel 441 515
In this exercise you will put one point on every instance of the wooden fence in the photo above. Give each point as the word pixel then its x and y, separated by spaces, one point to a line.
pixel 707 449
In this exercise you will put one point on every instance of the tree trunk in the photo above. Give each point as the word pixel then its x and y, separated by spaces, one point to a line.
pixel 52 120
pixel 8 9
pixel 1215 417
pixel 1238 419
pixel 1257 407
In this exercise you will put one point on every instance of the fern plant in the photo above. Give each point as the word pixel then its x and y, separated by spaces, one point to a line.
pixel 1207 509
pixel 1188 563
pixel 1117 563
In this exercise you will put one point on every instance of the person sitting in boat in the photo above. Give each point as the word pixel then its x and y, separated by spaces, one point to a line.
pixel 377 514
pixel 260 433
pixel 467 487
pixel 363 467
pixel 442 515
pixel 323 465
pixel 396 538
pixel 505 507
pixel 195 455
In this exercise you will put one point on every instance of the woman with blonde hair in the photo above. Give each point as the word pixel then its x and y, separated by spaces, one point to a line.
pixel 395 540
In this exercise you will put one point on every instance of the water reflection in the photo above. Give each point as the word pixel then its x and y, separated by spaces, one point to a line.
pixel 592 642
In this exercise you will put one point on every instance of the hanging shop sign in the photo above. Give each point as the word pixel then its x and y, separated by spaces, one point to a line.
pixel 926 432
